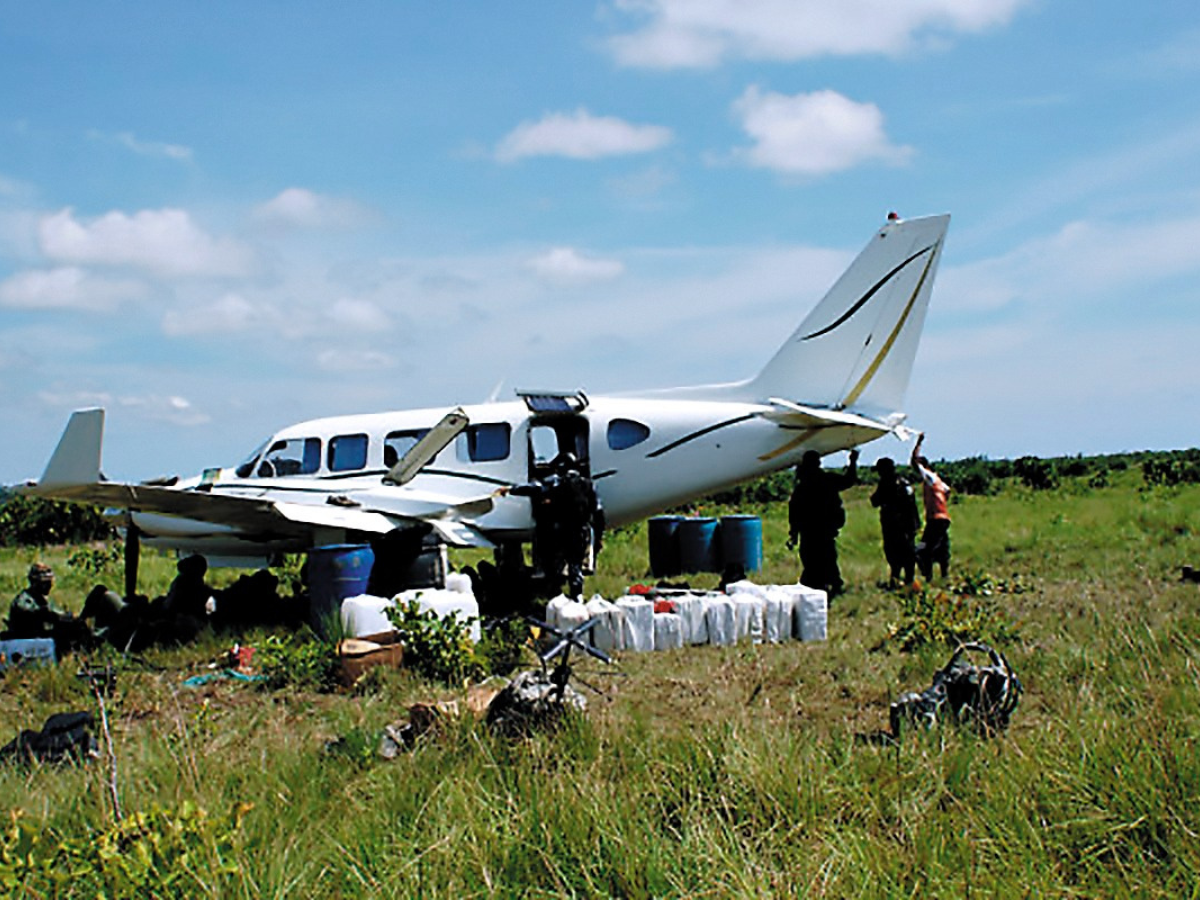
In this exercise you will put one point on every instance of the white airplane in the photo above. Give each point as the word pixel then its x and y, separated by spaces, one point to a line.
pixel 836 382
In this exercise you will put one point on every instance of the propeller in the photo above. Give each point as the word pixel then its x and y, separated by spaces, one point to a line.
pixel 566 641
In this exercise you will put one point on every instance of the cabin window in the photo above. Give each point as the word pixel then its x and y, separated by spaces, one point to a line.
pixel 347 452
pixel 543 443
pixel 485 443
pixel 294 456
pixel 396 444
pixel 626 433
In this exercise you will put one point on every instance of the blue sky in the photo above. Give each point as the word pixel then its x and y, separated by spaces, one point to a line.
pixel 218 218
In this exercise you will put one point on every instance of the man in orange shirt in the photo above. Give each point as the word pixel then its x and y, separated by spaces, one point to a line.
pixel 935 542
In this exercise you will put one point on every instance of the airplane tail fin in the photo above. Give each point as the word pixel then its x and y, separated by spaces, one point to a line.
pixel 76 459
pixel 856 348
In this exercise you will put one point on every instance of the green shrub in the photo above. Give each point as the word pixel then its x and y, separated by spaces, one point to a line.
pixel 503 646
pixel 965 611
pixel 1036 473
pixel 162 853
pixel 774 488
pixel 1168 470
pixel 32 521
pixel 302 661
pixel 97 561
pixel 437 647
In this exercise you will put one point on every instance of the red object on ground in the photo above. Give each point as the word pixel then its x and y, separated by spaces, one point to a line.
pixel 241 657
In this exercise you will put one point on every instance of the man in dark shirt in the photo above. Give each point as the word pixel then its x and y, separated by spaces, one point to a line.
pixel 815 515
pixel 898 520
pixel 568 521
pixel 34 615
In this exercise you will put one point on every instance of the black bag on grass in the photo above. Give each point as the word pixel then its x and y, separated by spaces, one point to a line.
pixel 984 696
pixel 65 736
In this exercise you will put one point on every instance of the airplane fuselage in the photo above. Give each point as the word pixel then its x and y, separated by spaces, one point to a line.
pixel 644 455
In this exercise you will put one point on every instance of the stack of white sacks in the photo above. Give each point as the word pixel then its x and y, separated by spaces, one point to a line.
pixel 747 611
pixel 366 615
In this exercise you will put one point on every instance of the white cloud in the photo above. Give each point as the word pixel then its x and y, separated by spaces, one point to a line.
pixel 154 407
pixel 277 317
pixel 645 185
pixel 75 399
pixel 566 265
pixel 144 148
pixel 174 409
pixel 1078 265
pixel 68 287
pixel 346 360
pixel 359 315
pixel 230 314
pixel 164 241
pixel 296 207
pixel 580 135
pixel 703 33
pixel 13 189
pixel 812 134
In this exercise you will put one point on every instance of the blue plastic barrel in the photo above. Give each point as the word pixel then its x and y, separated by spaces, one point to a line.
pixel 699 547
pixel 664 546
pixel 742 542
pixel 335 572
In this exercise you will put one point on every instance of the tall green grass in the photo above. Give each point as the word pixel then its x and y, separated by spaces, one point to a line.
pixel 745 771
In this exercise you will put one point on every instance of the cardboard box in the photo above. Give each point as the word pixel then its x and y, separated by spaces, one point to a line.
pixel 360 654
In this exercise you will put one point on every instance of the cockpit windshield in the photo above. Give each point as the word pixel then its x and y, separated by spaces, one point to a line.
pixel 289 456
pixel 247 465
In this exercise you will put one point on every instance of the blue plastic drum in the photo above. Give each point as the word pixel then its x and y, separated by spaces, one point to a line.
pixel 742 542
pixel 699 547
pixel 664 546
pixel 335 572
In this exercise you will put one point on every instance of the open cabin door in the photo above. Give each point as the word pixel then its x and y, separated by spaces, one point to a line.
pixel 556 425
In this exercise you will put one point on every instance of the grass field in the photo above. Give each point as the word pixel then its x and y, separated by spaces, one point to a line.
pixel 720 772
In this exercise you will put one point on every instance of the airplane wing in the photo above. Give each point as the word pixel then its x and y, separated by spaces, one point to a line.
pixel 279 517
pixel 73 474
pixel 241 512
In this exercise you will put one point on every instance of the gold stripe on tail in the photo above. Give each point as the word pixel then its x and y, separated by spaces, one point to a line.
pixel 858 389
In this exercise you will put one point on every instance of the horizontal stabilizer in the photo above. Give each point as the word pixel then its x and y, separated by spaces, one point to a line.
pixel 795 415
pixel 76 459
